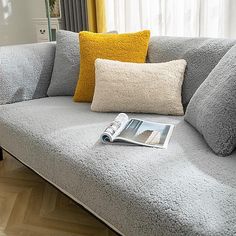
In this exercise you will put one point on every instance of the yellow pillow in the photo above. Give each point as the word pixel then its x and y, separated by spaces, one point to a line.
pixel 130 47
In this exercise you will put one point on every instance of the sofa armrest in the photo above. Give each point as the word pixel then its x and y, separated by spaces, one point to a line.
pixel 25 71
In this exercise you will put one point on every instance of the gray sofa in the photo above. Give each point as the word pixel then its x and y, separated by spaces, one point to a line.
pixel 138 191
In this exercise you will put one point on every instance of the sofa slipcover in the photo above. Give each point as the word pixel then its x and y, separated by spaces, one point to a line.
pixel 183 190
pixel 25 71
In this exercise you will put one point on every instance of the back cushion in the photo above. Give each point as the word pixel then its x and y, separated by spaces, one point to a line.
pixel 66 65
pixel 201 54
pixel 25 71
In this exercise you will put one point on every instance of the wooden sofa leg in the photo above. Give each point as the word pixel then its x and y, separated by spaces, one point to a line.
pixel 1 154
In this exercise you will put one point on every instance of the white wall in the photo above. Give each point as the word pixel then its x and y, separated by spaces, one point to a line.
pixel 37 8
pixel 16 26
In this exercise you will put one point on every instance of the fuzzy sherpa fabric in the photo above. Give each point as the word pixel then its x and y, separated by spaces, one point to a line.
pixel 212 109
pixel 66 65
pixel 25 71
pixel 130 47
pixel 183 190
pixel 201 54
pixel 138 87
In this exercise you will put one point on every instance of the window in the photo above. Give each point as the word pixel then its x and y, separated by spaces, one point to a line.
pixel 206 18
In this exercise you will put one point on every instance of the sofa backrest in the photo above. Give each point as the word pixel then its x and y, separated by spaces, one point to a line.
pixel 201 54
pixel 25 71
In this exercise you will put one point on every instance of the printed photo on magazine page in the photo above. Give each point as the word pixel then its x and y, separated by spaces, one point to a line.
pixel 136 131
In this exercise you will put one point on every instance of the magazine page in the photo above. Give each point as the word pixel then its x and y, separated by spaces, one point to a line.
pixel 115 127
pixel 146 133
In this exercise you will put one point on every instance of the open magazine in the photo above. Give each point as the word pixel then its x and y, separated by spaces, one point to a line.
pixel 136 131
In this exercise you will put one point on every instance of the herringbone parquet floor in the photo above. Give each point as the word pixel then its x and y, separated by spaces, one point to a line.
pixel 29 206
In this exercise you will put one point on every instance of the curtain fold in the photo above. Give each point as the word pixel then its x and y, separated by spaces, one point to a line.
pixel 96 15
pixel 74 15
pixel 192 18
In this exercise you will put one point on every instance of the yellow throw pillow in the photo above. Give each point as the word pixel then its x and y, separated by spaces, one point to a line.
pixel 130 47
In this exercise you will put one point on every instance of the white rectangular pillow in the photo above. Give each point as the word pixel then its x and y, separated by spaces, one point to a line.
pixel 138 87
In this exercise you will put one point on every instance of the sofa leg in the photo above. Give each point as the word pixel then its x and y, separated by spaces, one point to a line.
pixel 1 154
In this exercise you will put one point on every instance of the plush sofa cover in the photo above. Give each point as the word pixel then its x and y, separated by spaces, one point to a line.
pixel 25 71
pixel 183 190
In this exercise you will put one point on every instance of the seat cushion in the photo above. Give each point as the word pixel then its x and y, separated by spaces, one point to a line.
pixel 183 190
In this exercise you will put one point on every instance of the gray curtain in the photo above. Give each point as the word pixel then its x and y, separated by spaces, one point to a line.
pixel 74 15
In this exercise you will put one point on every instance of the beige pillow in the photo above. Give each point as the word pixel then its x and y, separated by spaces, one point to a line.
pixel 138 87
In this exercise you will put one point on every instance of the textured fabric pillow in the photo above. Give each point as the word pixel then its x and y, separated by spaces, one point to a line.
pixel 66 65
pixel 135 87
pixel 201 54
pixel 25 71
pixel 212 109
pixel 123 47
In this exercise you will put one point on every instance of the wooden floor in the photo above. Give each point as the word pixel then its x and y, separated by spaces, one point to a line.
pixel 29 206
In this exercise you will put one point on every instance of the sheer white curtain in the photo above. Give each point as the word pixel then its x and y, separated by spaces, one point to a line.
pixel 206 18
